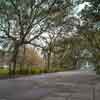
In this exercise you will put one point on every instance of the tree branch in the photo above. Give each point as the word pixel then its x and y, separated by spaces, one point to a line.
pixel 19 17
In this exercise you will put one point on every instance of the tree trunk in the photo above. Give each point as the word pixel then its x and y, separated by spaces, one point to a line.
pixel 14 59
pixel 75 64
pixel 21 68
pixel 49 58
pixel 23 59
pixel 10 71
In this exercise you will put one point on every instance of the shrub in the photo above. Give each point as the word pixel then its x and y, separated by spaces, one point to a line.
pixel 36 70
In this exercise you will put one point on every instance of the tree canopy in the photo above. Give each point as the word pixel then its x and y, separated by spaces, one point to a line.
pixel 22 22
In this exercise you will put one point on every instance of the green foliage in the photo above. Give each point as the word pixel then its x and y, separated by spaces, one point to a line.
pixel 41 70
pixel 93 10
pixel 33 71
pixel 90 30
pixel 98 69
pixel 23 22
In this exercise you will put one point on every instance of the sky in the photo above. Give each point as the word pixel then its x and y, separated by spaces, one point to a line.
pixel 80 7
pixel 76 10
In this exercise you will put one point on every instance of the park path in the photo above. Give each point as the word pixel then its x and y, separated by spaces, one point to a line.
pixel 72 85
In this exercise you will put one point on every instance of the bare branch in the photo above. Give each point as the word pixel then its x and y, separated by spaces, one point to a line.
pixel 30 27
pixel 19 17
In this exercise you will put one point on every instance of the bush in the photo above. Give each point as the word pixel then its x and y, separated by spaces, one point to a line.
pixel 38 70
pixel 35 71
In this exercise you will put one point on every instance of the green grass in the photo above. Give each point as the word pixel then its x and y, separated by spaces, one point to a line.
pixel 33 71
pixel 4 72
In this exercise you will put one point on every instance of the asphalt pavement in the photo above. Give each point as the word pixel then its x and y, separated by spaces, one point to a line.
pixel 72 85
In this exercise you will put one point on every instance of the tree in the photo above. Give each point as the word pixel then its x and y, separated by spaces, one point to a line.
pixel 48 49
pixel 31 58
pixel 90 29
pixel 92 11
pixel 22 22
pixel 58 42
pixel 90 15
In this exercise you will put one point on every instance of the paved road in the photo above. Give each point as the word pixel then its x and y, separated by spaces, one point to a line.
pixel 75 85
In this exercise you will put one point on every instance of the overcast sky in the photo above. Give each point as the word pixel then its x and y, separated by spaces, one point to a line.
pixel 80 7
pixel 77 9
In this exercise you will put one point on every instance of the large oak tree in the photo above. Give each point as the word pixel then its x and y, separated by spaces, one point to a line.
pixel 23 21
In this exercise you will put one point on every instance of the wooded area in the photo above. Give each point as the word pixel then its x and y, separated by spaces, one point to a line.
pixel 51 26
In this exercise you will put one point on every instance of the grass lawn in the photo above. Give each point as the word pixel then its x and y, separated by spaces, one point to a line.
pixel 4 72
pixel 33 71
